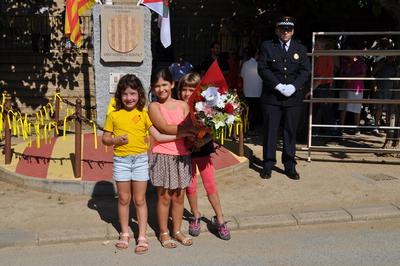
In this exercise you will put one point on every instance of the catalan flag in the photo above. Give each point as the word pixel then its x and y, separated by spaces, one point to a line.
pixel 74 8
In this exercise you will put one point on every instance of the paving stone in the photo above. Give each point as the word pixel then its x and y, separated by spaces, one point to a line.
pixel 262 221
pixel 15 237
pixel 396 204
pixel 73 235
pixel 374 212
pixel 322 216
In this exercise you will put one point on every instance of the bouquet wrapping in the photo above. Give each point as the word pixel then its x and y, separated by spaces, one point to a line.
pixel 213 105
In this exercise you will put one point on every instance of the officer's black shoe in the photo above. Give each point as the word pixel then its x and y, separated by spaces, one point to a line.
pixel 292 174
pixel 266 173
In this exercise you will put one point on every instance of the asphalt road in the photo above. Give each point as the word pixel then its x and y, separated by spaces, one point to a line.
pixel 366 243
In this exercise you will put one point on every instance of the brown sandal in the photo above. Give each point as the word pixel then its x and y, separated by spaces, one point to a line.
pixel 167 241
pixel 184 240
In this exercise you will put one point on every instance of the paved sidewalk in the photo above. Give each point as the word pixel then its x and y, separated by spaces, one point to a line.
pixel 332 188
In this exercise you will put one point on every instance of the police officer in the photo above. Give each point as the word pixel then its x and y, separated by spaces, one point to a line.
pixel 284 69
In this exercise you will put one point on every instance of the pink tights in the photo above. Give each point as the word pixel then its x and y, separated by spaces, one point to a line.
pixel 206 168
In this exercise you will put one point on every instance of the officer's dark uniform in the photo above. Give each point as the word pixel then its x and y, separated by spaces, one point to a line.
pixel 286 67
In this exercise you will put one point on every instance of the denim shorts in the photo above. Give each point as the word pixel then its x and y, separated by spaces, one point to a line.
pixel 131 168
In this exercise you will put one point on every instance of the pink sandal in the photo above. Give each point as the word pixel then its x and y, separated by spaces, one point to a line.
pixel 142 245
pixel 123 244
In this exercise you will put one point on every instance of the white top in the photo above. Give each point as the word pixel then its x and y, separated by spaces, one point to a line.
pixel 252 83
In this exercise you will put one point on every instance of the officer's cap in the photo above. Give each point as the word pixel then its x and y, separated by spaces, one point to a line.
pixel 285 22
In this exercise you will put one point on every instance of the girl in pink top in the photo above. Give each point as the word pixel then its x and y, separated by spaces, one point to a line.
pixel 170 165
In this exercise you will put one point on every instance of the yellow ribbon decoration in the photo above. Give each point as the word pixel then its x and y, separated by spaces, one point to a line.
pixel 51 108
pixel 46 113
pixel 30 135
pixel 94 134
pixel 45 134
pixel 65 128
pixel 230 130
pixel 57 95
pixel 222 136
pixel 37 132
pixel 41 117
pixel 1 125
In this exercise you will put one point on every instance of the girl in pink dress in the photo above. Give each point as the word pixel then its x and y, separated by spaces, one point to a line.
pixel 171 164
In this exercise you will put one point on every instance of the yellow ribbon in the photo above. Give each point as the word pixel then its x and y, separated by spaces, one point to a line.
pixel 45 134
pixel 37 132
pixel 46 113
pixel 94 134
pixel 57 96
pixel 65 128
pixel 41 117
pixel 51 109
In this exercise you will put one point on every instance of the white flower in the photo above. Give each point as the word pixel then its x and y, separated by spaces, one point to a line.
pixel 199 106
pixel 230 119
pixel 221 101
pixel 219 124
pixel 211 95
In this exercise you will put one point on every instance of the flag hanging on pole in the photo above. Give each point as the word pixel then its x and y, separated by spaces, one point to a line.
pixel 74 8
pixel 161 7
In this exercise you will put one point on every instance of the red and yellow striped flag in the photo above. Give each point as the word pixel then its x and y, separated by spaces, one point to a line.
pixel 74 8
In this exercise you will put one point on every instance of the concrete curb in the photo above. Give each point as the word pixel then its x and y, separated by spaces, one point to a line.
pixel 93 188
pixel 12 238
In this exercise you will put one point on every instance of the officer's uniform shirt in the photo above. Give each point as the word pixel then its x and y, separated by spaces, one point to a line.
pixel 286 67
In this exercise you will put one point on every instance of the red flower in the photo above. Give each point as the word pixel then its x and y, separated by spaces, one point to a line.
pixel 222 90
pixel 229 108
pixel 199 98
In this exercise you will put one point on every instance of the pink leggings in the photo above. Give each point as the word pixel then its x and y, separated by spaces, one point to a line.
pixel 206 168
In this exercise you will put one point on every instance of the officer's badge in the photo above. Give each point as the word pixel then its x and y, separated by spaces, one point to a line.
pixel 296 56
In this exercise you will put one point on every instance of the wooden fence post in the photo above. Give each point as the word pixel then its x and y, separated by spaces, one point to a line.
pixel 78 138
pixel 241 140
pixel 7 133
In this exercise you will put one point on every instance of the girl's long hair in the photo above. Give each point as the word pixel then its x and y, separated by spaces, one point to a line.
pixel 163 73
pixel 130 80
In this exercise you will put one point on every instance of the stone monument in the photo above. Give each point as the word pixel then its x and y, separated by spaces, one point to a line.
pixel 118 51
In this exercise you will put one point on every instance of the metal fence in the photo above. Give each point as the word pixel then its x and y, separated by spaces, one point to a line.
pixel 365 101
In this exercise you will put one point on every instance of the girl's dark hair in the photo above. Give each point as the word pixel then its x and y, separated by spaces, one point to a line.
pixel 130 80
pixel 191 79
pixel 163 73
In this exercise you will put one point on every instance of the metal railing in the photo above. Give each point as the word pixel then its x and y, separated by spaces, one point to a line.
pixel 310 147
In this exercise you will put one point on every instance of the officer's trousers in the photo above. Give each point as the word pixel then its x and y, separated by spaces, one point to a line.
pixel 288 117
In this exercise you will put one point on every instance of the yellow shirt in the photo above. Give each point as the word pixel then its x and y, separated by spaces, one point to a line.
pixel 133 123
pixel 111 106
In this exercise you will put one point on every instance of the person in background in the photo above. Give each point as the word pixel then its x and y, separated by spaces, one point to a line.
pixel 252 88
pixel 324 67
pixel 384 67
pixel 179 68
pixel 352 66
pixel 215 54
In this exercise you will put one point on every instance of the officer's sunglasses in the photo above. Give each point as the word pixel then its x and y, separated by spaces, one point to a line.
pixel 285 29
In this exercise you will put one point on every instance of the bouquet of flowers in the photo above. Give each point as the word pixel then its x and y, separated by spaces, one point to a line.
pixel 212 104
